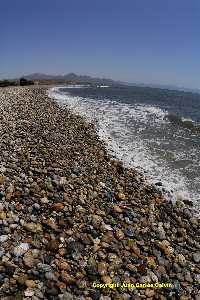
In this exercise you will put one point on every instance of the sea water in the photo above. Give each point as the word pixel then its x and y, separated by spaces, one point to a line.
pixel 156 131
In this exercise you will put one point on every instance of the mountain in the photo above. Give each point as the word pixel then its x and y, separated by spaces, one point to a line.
pixel 105 81
pixel 72 77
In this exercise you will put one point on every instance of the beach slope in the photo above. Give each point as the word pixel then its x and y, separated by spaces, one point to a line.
pixel 72 217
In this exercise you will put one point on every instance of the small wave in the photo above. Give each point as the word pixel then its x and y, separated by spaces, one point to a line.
pixel 77 86
pixel 103 86
pixel 125 139
pixel 150 112
pixel 184 122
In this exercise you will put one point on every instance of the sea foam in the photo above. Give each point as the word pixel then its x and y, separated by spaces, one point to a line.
pixel 114 126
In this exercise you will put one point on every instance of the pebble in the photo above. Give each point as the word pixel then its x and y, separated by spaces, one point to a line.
pixel 102 268
pixel 183 297
pixel 119 234
pixel 21 249
pixel 2 215
pixel 52 291
pixel 63 265
pixel 106 279
pixel 51 223
pixel 188 277
pixel 53 245
pixel 66 296
pixel 149 293
pixel 181 260
pixel 32 227
pixel 2 252
pixel 117 209
pixel 196 257
pixel 50 276
pixel 28 293
pixel 71 214
pixel 29 260
pixel 58 207
pixel 36 206
pixel 43 268
pixel 128 232
pixel 3 238
pixel 120 196
pixel 30 284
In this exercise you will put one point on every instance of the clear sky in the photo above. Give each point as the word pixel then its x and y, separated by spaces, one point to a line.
pixel 149 41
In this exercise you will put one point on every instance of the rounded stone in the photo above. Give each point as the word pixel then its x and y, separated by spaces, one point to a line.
pixel 106 279
pixel 102 268
pixel 149 293
pixel 50 276
pixel 3 238
pixel 196 257
pixel 30 284
pixel 21 249
pixel 28 293
pixel 33 227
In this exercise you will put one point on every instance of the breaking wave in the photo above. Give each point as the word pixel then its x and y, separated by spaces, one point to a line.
pixel 184 122
pixel 139 135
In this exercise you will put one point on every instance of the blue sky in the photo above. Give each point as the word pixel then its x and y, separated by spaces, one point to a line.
pixel 149 41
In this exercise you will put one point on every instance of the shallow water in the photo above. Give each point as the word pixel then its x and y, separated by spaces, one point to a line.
pixel 156 131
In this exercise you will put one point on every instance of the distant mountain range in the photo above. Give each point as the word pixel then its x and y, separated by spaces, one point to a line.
pixel 72 77
pixel 105 81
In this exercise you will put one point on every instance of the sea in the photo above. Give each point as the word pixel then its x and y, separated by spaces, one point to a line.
pixel 156 131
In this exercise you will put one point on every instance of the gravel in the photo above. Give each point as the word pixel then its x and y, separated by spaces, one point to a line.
pixel 71 214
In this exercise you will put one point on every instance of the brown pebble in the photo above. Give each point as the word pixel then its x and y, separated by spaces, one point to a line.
pixel 67 198
pixel 2 215
pixel 120 196
pixel 51 223
pixel 63 265
pixel 102 268
pixel 151 262
pixel 53 245
pixel 149 293
pixel 117 209
pixel 29 260
pixel 62 251
pixel 30 283
pixel 58 207
pixel 33 227
pixel 2 179
pixel 8 196
pixel 106 279
pixel 119 234
pixel 184 297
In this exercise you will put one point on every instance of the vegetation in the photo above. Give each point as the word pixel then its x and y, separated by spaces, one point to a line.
pixel 4 83
pixel 21 82
pixel 24 81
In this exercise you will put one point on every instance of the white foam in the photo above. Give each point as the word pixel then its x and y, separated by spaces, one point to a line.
pixel 124 141
pixel 103 86
pixel 187 120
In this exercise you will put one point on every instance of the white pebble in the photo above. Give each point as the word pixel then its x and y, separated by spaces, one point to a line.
pixel 3 238
pixel 21 249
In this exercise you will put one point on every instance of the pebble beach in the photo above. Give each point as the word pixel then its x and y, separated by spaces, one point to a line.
pixel 77 225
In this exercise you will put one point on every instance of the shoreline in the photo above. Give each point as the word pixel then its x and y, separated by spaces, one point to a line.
pixel 70 214
pixel 168 192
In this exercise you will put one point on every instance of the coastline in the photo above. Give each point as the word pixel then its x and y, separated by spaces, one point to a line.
pixel 171 184
pixel 71 214
pixel 143 150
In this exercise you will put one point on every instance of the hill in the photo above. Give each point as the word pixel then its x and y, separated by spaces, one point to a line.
pixel 71 77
